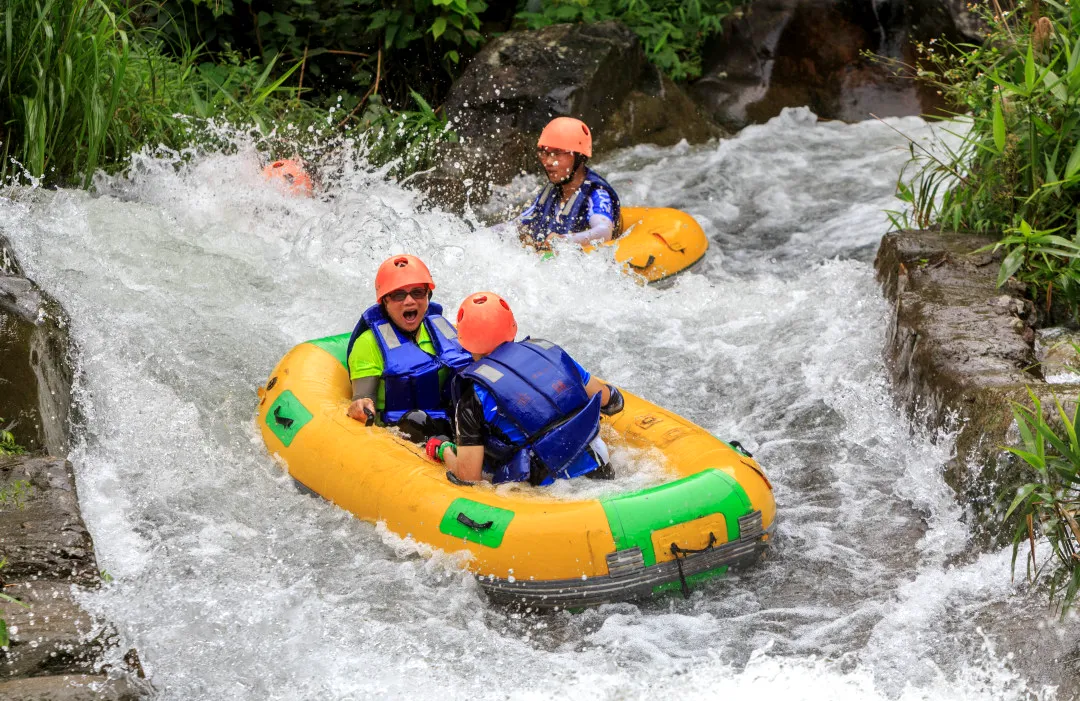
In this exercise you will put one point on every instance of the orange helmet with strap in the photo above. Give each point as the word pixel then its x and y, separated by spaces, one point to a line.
pixel 484 322
pixel 567 134
pixel 401 271
pixel 292 175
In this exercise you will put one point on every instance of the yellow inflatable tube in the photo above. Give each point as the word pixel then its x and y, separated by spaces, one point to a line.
pixel 526 546
pixel 658 242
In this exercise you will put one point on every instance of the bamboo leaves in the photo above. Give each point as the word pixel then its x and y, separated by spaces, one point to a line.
pixel 999 126
pixel 1051 450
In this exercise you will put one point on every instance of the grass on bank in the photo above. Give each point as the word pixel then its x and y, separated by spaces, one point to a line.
pixel 1016 171
pixel 82 87
pixel 1049 506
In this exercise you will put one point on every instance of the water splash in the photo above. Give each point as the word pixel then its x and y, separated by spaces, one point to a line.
pixel 190 276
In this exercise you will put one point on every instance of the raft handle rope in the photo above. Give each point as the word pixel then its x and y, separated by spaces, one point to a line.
pixel 676 551
pixel 739 447
pixel 283 421
pixel 462 518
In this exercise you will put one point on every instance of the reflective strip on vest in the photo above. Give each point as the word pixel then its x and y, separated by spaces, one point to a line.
pixel 546 345
pixel 489 373
pixel 444 326
pixel 389 337
pixel 570 204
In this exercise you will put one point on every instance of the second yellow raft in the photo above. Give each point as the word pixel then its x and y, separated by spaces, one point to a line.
pixel 658 242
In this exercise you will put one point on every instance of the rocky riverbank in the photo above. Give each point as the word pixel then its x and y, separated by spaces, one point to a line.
pixel 959 350
pixel 56 649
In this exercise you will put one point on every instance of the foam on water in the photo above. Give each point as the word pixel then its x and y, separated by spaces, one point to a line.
pixel 186 282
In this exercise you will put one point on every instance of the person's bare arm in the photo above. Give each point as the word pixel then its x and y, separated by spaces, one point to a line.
pixel 595 386
pixel 467 463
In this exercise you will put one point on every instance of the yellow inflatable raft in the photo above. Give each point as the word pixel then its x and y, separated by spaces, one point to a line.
pixel 658 242
pixel 526 546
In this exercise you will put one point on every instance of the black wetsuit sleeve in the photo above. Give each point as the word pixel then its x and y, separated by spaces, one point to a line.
pixel 469 425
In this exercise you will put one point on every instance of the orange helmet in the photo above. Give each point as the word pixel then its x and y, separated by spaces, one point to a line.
pixel 484 322
pixel 401 271
pixel 294 179
pixel 567 134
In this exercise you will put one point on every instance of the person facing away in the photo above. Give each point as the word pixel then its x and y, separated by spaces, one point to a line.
pixel 524 411
pixel 576 204
pixel 402 352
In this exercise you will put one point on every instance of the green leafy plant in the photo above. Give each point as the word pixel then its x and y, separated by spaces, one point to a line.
pixel 15 494
pixel 8 446
pixel 672 31
pixel 1044 261
pixel 410 139
pixel 1048 505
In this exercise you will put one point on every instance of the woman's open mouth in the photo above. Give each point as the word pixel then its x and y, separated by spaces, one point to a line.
pixel 410 315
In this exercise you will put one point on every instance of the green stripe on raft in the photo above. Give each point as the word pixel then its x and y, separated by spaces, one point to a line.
pixel 335 346
pixel 633 517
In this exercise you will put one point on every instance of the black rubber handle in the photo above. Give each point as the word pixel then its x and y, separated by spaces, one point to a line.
pixel 739 447
pixel 370 417
pixel 462 518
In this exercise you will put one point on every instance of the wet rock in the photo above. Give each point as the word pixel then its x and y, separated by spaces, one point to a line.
pixel 1059 360
pixel 790 53
pixel 35 367
pixel 49 633
pixel 959 349
pixel 523 79
pixel 75 687
pixel 948 19
pixel 43 536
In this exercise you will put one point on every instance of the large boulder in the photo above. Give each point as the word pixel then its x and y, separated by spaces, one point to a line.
pixel 523 79
pixel 35 364
pixel 789 53
pixel 948 19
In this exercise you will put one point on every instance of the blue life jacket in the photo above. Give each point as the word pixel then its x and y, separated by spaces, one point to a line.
pixel 548 216
pixel 411 376
pixel 537 389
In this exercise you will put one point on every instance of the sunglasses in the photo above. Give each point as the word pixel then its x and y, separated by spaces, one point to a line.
pixel 416 293
pixel 544 154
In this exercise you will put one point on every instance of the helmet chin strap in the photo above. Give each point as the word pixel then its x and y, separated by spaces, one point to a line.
pixel 579 160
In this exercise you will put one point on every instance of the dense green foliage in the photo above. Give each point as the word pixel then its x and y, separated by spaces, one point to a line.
pixel 84 83
pixel 81 87
pixel 1048 505
pixel 672 31
pixel 1016 172
pixel 353 47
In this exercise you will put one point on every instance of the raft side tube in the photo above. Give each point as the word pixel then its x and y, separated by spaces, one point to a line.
pixel 628 577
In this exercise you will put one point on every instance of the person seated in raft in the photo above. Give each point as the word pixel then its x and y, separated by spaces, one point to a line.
pixel 524 411
pixel 402 352
pixel 576 204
